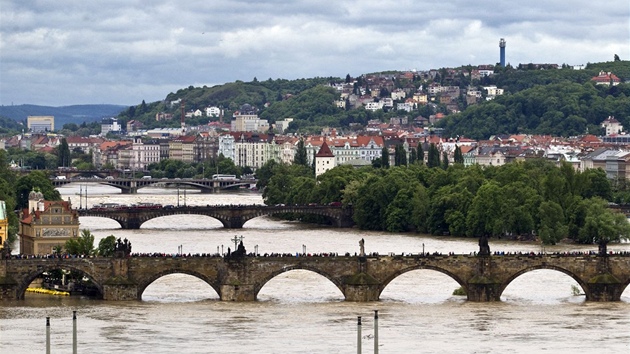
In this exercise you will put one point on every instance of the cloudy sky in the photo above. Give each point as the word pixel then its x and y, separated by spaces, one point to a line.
pixel 66 52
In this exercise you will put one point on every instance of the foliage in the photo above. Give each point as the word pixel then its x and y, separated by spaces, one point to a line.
pixel 532 198
pixel 82 245
pixel 63 154
pixel 34 180
pixel 560 109
pixel 107 246
pixel 300 154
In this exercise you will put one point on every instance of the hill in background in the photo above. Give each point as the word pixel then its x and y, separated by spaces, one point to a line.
pixel 67 114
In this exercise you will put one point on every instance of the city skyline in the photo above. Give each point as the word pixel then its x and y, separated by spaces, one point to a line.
pixel 122 53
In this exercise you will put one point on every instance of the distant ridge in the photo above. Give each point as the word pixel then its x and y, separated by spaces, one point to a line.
pixel 63 115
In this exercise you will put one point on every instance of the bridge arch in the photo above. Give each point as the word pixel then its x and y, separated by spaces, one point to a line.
pixel 28 279
pixel 274 274
pixel 579 280
pixel 142 286
pixel 400 272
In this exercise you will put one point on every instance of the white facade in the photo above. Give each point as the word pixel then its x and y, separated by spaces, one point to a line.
pixel 213 111
pixel 226 146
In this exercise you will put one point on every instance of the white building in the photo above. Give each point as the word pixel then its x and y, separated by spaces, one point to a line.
pixel 324 160
pixel 612 126
pixel 213 111
pixel 226 146
pixel 110 125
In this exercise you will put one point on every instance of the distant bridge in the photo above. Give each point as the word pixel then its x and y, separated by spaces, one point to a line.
pixel 359 278
pixel 131 185
pixel 231 216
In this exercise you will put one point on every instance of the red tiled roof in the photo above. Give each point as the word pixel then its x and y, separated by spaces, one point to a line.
pixel 324 151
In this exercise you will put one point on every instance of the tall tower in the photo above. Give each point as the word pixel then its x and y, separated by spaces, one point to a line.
pixel 502 51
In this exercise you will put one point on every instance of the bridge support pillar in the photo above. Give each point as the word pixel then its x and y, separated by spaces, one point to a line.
pixel 120 290
pixel 483 290
pixel 233 222
pixel 8 289
pixel 604 287
pixel 362 293
pixel 131 224
pixel 238 293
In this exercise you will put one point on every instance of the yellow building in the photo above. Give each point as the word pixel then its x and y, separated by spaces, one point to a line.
pixel 4 223
pixel 46 224
pixel 39 124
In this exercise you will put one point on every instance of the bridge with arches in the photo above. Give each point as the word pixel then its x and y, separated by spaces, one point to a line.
pixel 359 278
pixel 131 185
pixel 231 216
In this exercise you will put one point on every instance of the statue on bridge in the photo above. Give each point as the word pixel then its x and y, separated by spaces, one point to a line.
pixel 484 248
pixel 122 249
pixel 362 248
pixel 239 253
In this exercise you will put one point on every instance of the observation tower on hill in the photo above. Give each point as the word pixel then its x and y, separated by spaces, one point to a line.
pixel 502 52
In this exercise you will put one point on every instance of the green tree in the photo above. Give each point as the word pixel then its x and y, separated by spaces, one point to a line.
pixel 552 227
pixel 433 157
pixel 603 225
pixel 413 157
pixel 107 246
pixel 300 157
pixel 36 180
pixel 458 156
pixel 82 245
pixel 384 157
pixel 400 156
pixel 63 154
pixel 420 154
pixel 445 160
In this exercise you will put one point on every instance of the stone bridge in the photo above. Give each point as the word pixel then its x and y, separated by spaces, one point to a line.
pixel 131 185
pixel 484 278
pixel 231 216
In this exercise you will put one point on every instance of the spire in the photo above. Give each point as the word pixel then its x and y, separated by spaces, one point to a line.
pixel 324 151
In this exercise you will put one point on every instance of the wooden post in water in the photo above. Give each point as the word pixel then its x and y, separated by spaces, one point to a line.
pixel 359 335
pixel 74 332
pixel 375 331
pixel 47 335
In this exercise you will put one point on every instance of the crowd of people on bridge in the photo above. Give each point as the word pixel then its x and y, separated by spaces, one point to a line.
pixel 322 254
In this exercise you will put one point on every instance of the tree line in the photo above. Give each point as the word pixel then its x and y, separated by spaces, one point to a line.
pixel 526 199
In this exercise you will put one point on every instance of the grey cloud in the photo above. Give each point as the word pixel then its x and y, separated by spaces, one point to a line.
pixel 123 51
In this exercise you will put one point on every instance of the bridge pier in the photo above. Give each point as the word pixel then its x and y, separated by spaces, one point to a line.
pixel 8 288
pixel 361 293
pixel 120 290
pixel 237 292
pixel 483 290
pixel 233 222
pixel 604 287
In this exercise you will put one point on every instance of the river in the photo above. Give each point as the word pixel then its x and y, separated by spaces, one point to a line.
pixel 302 312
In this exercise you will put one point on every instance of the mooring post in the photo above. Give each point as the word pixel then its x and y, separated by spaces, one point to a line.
pixel 359 335
pixel 74 332
pixel 47 335
pixel 375 331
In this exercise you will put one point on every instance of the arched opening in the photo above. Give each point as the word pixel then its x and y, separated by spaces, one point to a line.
pixel 98 223
pixel 179 287
pixel 300 286
pixel 423 286
pixel 625 295
pixel 57 282
pixel 543 286
pixel 183 222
